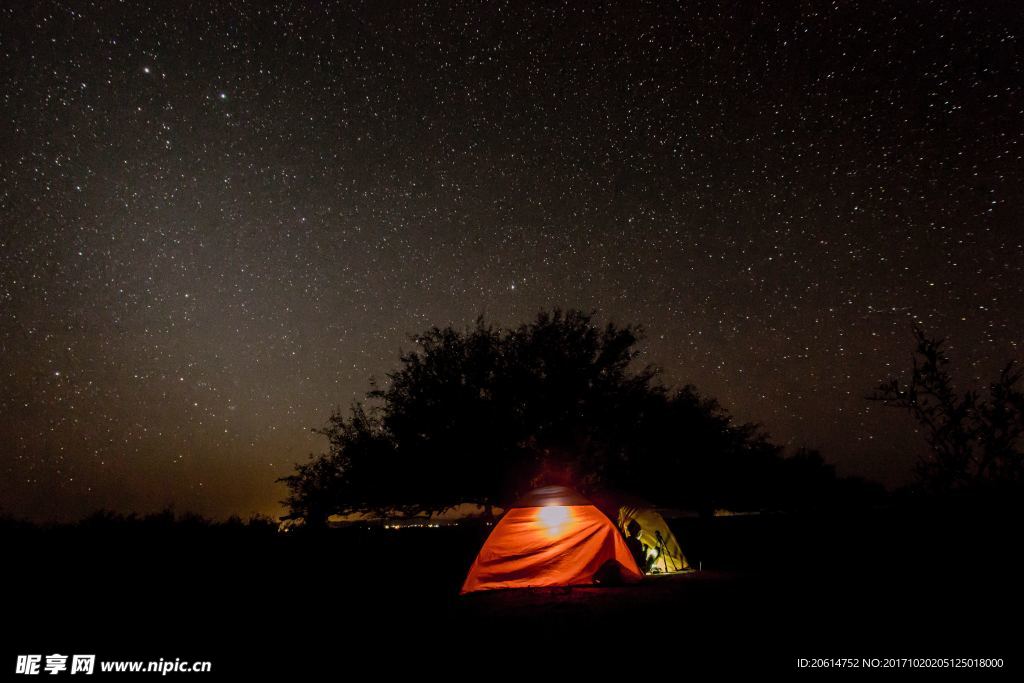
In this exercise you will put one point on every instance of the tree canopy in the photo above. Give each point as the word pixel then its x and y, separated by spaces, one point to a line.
pixel 974 440
pixel 482 415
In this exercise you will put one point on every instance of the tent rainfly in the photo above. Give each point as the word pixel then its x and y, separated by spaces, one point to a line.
pixel 551 537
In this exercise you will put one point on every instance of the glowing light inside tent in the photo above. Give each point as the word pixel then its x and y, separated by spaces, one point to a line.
pixel 554 519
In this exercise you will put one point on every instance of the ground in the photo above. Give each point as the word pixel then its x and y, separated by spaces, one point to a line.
pixel 928 583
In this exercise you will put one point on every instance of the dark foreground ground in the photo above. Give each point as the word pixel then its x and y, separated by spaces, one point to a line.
pixel 919 581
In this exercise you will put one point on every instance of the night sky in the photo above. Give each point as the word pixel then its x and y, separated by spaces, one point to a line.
pixel 219 220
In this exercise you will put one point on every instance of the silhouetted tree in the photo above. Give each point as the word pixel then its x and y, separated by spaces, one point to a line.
pixel 353 476
pixel 974 441
pixel 483 415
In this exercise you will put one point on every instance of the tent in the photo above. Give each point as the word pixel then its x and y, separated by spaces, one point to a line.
pixel 654 541
pixel 648 536
pixel 551 537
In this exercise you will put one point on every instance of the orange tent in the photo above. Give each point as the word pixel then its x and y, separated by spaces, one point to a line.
pixel 552 537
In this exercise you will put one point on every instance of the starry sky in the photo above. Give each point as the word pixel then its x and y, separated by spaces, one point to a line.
pixel 219 220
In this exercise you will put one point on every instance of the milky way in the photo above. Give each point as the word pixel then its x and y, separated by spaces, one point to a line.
pixel 219 221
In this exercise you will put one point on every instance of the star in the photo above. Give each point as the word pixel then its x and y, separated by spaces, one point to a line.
pixel 776 217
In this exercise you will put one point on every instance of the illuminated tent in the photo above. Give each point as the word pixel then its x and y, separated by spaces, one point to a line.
pixel 660 550
pixel 551 537
pixel 648 536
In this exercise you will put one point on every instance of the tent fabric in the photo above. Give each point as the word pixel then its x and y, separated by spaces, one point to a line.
pixel 550 495
pixel 662 554
pixel 551 545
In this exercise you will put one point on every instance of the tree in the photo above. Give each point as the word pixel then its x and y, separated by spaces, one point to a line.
pixel 350 477
pixel 479 416
pixel 974 441
pixel 483 415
